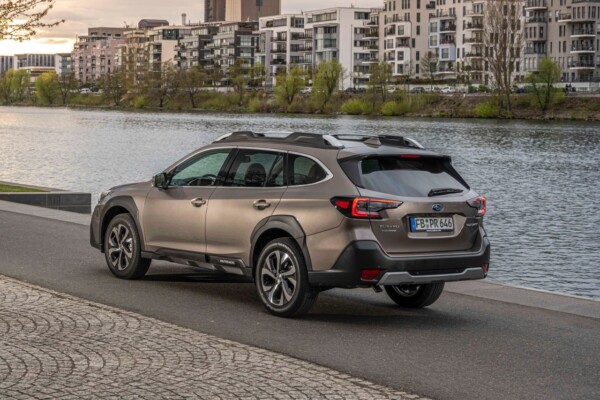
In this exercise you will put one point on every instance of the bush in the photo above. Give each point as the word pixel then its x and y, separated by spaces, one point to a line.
pixel 487 109
pixel 140 102
pixel 355 107
pixel 389 109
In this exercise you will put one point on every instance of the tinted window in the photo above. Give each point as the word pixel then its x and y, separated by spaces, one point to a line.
pixel 304 170
pixel 202 170
pixel 408 177
pixel 256 168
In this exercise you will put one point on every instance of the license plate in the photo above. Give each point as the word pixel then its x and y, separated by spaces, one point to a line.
pixel 431 224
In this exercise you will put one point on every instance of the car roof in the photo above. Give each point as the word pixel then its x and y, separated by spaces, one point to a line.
pixel 346 145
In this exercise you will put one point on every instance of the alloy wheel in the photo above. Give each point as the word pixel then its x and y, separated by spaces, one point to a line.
pixel 120 247
pixel 407 291
pixel 279 278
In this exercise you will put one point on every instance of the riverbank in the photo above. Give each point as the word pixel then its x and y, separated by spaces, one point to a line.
pixel 398 104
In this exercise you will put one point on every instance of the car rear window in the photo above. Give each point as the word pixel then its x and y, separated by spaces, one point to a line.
pixel 410 177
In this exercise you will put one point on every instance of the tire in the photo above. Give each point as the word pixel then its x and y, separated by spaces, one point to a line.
pixel 122 249
pixel 415 296
pixel 281 279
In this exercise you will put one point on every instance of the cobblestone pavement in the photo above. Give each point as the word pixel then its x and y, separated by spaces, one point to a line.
pixel 54 346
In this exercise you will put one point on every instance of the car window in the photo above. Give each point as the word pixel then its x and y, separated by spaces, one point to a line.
pixel 411 177
pixel 304 170
pixel 256 168
pixel 202 170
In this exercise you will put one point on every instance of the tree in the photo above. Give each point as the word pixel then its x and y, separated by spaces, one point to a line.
pixel 289 85
pixel 47 88
pixel 14 86
pixel 542 82
pixel 114 85
pixel 163 85
pixel 380 80
pixel 429 67
pixel 503 39
pixel 258 73
pixel 327 80
pixel 66 85
pixel 239 78
pixel 21 19
pixel 193 81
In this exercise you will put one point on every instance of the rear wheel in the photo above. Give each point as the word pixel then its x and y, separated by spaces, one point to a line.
pixel 282 279
pixel 415 296
pixel 122 249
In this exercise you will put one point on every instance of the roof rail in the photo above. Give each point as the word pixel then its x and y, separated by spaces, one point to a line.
pixel 380 140
pixel 308 139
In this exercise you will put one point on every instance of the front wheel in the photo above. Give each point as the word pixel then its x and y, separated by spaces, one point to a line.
pixel 282 279
pixel 415 296
pixel 122 249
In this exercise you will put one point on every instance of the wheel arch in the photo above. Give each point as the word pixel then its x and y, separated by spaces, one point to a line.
pixel 275 227
pixel 118 206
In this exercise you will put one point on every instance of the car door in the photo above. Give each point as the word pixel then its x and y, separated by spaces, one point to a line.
pixel 174 218
pixel 251 192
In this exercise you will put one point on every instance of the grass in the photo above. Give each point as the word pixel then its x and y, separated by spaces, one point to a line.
pixel 13 188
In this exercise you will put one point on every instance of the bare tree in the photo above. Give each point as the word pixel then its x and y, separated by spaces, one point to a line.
pixel 503 40
pixel 114 85
pixel 193 81
pixel 429 67
pixel 66 84
pixel 28 13
pixel 380 80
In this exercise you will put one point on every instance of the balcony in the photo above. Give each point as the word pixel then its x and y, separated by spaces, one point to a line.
pixel 403 43
pixel 473 41
pixel 583 32
pixel 536 20
pixel 582 48
pixel 581 65
pixel 477 12
pixel 535 5
pixel 279 50
pixel 472 26
pixel 447 28
pixel 563 17
pixel 473 55
pixel 442 16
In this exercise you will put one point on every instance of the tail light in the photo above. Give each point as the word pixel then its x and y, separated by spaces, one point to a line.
pixel 363 207
pixel 480 203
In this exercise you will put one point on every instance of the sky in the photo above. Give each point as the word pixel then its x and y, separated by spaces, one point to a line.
pixel 81 14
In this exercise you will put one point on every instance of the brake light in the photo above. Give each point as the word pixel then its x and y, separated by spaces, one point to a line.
pixel 363 207
pixel 480 203
pixel 410 156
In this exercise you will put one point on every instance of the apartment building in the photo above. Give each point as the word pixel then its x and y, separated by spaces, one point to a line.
pixel 63 63
pixel 214 10
pixel 22 61
pixel 6 63
pixel 341 34
pixel 251 10
pixel 282 45
pixel 404 34
pixel 567 32
pixel 163 44
pixel 196 50
pixel 96 53
pixel 233 41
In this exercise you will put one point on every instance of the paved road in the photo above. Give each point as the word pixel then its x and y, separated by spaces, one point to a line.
pixel 462 347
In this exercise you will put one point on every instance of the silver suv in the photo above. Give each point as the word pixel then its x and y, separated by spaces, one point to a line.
pixel 302 213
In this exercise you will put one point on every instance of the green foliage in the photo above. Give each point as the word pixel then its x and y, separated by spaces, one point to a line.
pixel 380 80
pixel 288 86
pixel 14 86
pixel 542 83
pixel 47 88
pixel 487 109
pixel 355 107
pixel 140 102
pixel 327 81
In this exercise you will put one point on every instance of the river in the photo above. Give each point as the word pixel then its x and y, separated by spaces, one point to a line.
pixel 542 179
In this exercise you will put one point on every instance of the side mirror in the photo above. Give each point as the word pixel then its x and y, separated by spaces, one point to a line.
pixel 161 180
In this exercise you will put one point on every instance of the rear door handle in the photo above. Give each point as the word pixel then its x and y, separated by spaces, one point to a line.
pixel 261 204
pixel 198 202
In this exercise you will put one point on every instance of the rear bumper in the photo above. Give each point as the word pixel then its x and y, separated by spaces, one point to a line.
pixel 399 270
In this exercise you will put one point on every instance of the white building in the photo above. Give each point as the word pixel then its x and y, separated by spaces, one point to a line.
pixel 164 42
pixel 342 34
pixel 281 45
pixel 6 63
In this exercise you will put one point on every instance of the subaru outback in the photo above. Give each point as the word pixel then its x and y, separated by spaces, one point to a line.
pixel 301 213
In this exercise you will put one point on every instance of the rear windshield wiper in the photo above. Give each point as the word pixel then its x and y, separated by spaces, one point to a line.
pixel 440 192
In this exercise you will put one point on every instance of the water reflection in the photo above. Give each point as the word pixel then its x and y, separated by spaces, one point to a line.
pixel 542 178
